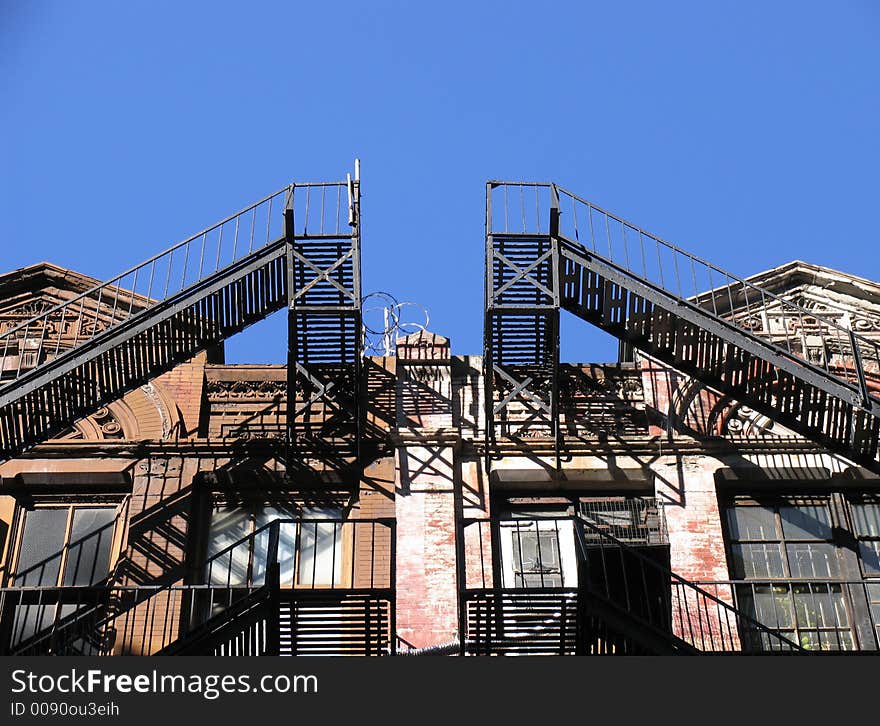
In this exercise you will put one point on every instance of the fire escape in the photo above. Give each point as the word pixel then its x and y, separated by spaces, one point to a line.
pixel 549 250
pixel 297 248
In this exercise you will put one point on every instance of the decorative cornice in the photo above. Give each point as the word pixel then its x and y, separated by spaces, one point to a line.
pixel 246 390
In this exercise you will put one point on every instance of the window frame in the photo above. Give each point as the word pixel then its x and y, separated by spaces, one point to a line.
pixel 118 524
pixel 255 500
pixel 850 567
pixel 869 498
pixel 780 539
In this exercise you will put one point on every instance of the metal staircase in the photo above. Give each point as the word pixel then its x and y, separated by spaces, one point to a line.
pixel 298 247
pixel 624 600
pixel 547 249
pixel 632 602
pixel 257 596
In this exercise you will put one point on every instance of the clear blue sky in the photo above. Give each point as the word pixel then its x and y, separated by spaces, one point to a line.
pixel 746 132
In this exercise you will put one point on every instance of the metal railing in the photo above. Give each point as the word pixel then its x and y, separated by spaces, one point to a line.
pixel 524 208
pixel 821 615
pixel 321 209
pixel 295 556
pixel 634 580
pixel 649 591
pixel 311 554
pixel 637 521
pixel 103 621
pixel 634 520
pixel 71 324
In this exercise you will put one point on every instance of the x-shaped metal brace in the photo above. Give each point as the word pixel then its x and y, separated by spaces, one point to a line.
pixel 523 273
pixel 323 275
pixel 519 389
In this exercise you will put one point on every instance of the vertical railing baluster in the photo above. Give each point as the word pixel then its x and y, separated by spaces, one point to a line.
pixel 235 239
pixel 269 221
pixel 219 248
pixel 253 228
pixel 21 349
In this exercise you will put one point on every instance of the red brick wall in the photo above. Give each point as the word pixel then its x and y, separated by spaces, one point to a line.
pixel 427 601
pixel 184 384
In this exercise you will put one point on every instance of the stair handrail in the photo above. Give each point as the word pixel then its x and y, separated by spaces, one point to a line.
pixel 78 616
pixel 129 294
pixel 740 616
pixel 273 530
pixel 844 336
pixel 113 608
pixel 149 591
pixel 848 342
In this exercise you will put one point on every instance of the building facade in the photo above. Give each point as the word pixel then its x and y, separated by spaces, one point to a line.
pixel 714 490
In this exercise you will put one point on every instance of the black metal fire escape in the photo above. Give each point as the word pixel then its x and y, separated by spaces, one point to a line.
pixel 548 249
pixel 250 600
pixel 521 327
pixel 325 340
pixel 66 362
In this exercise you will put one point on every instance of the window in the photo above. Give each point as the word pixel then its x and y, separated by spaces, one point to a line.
pixel 60 546
pixel 537 549
pixel 310 545
pixel 537 534
pixel 537 561
pixel 866 528
pixel 66 545
pixel 788 539
pixel 786 555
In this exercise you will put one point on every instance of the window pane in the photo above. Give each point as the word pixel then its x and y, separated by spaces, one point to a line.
pixel 229 525
pixel 826 639
pixel 536 559
pixel 770 605
pixel 870 555
pixel 757 561
pixel 866 519
pixel 320 559
pixel 42 543
pixel 286 542
pixel 543 579
pixel 874 600
pixel 805 521
pixel 88 555
pixel 533 552
pixel 752 522
pixel 810 560
pixel 819 606
pixel 31 620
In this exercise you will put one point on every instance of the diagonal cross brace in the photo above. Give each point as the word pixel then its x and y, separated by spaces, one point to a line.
pixel 323 275
pixel 322 389
pixel 519 388
pixel 523 273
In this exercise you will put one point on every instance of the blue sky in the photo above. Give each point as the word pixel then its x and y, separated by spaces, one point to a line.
pixel 746 132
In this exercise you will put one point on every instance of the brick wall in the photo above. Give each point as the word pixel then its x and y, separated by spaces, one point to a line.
pixel 427 602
